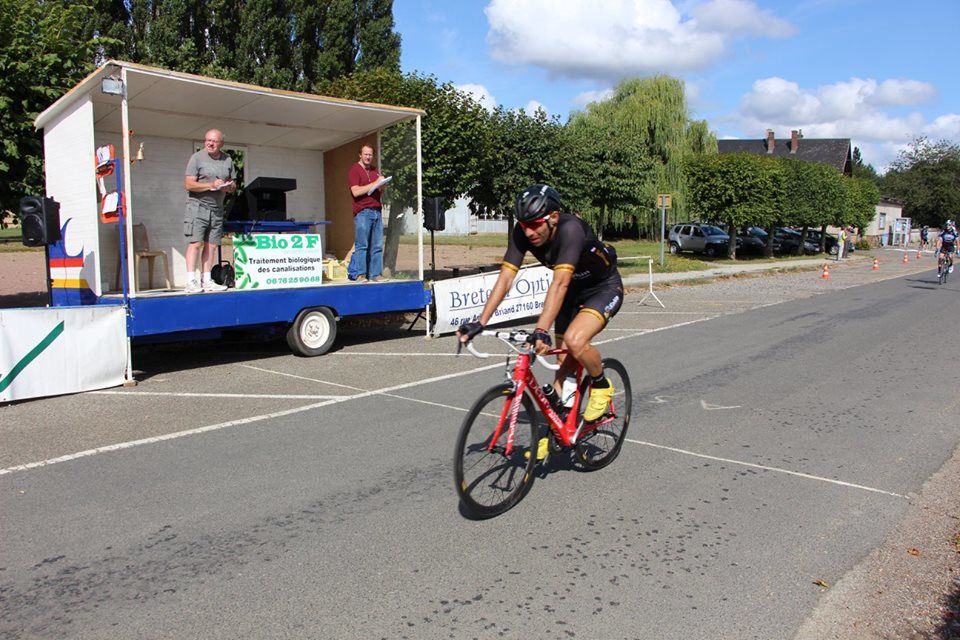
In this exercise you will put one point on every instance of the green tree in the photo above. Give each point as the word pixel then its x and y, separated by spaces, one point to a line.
pixel 861 201
pixel 813 193
pixel 450 131
pixel 863 170
pixel 44 50
pixel 653 114
pixel 926 176
pixel 613 178
pixel 737 189
pixel 515 151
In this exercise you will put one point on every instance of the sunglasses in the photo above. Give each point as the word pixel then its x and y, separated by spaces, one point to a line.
pixel 534 224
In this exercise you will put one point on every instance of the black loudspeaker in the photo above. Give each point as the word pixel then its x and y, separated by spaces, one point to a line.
pixel 434 215
pixel 39 221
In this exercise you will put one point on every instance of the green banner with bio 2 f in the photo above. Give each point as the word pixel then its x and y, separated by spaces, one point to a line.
pixel 277 261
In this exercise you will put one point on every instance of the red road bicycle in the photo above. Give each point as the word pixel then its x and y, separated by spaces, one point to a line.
pixel 497 445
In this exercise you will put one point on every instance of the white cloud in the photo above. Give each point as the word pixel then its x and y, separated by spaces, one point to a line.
pixel 856 109
pixel 587 97
pixel 480 93
pixel 533 106
pixel 740 17
pixel 578 38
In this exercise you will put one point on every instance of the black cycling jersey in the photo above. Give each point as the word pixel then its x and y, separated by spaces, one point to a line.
pixel 574 247
pixel 948 239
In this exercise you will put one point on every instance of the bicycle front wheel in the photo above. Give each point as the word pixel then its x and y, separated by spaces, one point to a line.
pixel 600 442
pixel 489 479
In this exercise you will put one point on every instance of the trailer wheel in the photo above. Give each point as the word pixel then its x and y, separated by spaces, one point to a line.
pixel 313 332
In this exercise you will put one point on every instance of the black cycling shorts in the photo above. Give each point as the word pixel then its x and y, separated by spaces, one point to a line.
pixel 948 249
pixel 602 300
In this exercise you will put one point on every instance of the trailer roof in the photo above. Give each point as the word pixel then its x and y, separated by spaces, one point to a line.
pixel 181 105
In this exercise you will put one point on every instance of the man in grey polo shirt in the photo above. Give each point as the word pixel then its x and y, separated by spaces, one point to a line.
pixel 210 176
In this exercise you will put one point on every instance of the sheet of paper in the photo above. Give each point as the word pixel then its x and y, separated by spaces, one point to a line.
pixel 379 183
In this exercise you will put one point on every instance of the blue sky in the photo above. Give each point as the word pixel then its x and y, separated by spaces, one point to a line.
pixel 880 72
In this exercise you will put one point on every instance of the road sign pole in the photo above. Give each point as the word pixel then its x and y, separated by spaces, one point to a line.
pixel 663 226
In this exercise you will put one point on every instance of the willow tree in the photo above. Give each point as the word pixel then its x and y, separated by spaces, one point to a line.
pixel 652 113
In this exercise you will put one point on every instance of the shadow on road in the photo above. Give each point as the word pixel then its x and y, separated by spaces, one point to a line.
pixel 949 628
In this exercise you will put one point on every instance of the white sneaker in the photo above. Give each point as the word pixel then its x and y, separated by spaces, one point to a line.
pixel 210 285
pixel 950 270
pixel 192 287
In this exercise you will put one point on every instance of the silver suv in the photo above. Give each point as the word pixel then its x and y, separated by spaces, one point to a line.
pixel 699 238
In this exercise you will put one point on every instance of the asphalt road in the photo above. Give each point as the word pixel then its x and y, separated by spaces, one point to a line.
pixel 772 447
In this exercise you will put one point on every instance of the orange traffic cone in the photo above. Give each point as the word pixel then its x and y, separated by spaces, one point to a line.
pixel 906 259
pixel 918 254
pixel 826 272
pixel 876 264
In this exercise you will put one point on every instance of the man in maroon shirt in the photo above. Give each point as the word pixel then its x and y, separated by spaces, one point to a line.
pixel 367 260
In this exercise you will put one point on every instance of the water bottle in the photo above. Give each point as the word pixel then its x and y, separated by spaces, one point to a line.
pixel 569 390
pixel 552 396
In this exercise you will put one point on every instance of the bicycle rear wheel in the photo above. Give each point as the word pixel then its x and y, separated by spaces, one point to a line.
pixel 600 442
pixel 489 481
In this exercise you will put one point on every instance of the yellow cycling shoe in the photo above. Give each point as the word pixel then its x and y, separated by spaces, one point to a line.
pixel 543 448
pixel 599 402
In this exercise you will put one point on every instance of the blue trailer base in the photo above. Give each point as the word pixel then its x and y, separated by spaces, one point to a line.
pixel 178 314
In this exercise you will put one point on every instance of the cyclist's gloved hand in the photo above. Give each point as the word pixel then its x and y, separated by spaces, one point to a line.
pixel 469 330
pixel 541 335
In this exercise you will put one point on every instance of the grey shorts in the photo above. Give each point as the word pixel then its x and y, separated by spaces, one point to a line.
pixel 202 225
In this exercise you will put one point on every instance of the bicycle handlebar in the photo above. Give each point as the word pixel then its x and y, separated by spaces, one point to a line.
pixel 516 340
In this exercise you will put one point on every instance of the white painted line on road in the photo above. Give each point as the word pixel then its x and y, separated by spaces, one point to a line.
pixel 662 313
pixel 765 468
pixel 404 355
pixel 293 375
pixel 212 395
pixel 715 407
pixel 235 423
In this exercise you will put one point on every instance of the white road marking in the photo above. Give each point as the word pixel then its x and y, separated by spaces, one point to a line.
pixel 765 468
pixel 241 421
pixel 714 407
pixel 660 399
pixel 663 313
pixel 212 395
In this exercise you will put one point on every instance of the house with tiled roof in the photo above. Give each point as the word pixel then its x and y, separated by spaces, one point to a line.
pixel 835 152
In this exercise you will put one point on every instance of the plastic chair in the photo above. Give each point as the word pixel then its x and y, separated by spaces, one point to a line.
pixel 141 252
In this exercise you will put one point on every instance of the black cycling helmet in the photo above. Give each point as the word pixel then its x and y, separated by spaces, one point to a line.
pixel 537 201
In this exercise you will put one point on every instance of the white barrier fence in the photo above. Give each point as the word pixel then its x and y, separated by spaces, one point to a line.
pixel 55 350
pixel 460 300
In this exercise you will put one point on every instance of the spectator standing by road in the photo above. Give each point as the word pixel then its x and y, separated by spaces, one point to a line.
pixel 366 263
pixel 209 177
pixel 841 243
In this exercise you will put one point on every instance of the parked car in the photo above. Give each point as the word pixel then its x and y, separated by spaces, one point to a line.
pixel 751 243
pixel 699 238
pixel 760 234
pixel 790 241
pixel 830 245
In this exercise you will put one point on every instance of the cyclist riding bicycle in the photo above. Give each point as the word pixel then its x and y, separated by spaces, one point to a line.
pixel 585 293
pixel 924 237
pixel 946 243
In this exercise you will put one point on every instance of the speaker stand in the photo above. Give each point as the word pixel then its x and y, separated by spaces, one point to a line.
pixel 46 261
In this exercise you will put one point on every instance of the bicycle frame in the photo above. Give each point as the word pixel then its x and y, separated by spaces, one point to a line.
pixel 568 431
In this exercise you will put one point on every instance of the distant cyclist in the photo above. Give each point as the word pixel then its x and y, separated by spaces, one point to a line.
pixel 585 293
pixel 946 243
